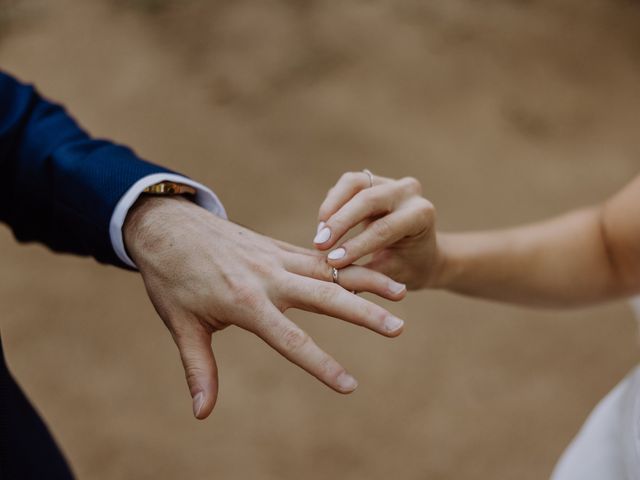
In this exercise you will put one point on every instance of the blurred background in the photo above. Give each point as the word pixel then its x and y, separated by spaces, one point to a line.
pixel 507 111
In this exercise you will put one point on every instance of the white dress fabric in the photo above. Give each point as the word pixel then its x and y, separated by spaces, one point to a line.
pixel 608 444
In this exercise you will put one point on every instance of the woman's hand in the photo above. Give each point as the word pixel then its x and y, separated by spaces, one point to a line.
pixel 204 273
pixel 399 227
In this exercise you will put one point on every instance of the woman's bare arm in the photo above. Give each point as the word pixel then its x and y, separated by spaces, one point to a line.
pixel 582 257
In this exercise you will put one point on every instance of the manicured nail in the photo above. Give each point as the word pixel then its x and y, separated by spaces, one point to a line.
pixel 391 324
pixel 198 402
pixel 322 236
pixel 320 226
pixel 396 288
pixel 346 382
pixel 337 254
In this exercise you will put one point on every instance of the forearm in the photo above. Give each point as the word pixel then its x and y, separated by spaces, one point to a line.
pixel 65 188
pixel 62 185
pixel 561 262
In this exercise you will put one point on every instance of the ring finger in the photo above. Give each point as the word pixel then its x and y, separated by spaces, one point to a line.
pixel 331 299
pixel 352 278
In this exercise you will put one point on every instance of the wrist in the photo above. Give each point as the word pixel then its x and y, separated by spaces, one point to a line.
pixel 146 223
pixel 445 267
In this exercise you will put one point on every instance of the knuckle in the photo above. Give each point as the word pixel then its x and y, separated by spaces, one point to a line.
pixel 368 197
pixel 245 295
pixel 372 195
pixel 329 368
pixel 193 373
pixel 336 222
pixel 382 228
pixel 376 314
pixel 412 184
pixel 339 224
pixel 294 339
pixel 348 177
pixel 321 270
pixel 328 293
pixel 371 316
pixel 426 211
pixel 261 268
pixel 378 199
pixel 323 293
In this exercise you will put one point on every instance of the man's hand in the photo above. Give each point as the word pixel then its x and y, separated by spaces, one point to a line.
pixel 203 273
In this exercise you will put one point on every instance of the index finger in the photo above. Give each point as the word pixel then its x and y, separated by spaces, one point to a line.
pixel 347 186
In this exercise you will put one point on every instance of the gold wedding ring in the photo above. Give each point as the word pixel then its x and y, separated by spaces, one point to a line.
pixel 334 278
pixel 334 274
pixel 370 175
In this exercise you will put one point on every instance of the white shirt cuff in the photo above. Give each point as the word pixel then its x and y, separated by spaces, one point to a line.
pixel 204 197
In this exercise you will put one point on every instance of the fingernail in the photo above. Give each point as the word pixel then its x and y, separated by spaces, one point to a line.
pixel 198 402
pixel 395 287
pixel 320 226
pixel 346 382
pixel 391 324
pixel 323 235
pixel 337 254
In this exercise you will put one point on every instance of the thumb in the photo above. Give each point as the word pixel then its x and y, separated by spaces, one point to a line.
pixel 200 369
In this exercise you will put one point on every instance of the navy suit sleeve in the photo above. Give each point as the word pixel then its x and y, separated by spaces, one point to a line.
pixel 58 185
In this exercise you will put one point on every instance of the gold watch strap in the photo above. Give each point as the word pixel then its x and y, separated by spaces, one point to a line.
pixel 169 188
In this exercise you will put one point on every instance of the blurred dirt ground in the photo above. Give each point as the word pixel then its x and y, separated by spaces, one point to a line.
pixel 507 111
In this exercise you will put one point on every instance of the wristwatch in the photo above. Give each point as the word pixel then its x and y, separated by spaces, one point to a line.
pixel 169 188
